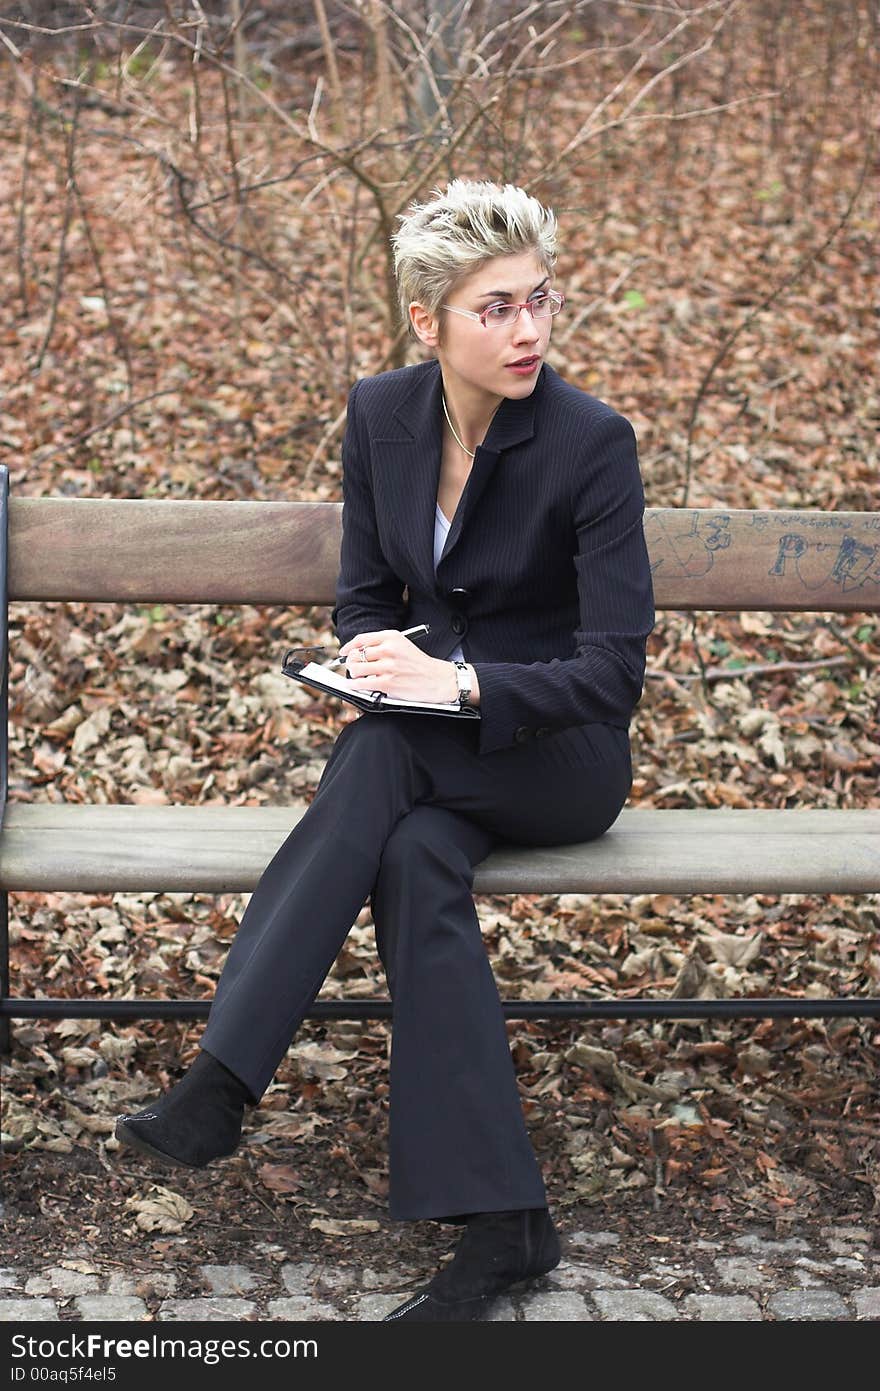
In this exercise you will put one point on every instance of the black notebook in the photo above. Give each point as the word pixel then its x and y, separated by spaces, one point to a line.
pixel 324 678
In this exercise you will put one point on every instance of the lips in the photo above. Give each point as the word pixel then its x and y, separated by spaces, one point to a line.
pixel 524 366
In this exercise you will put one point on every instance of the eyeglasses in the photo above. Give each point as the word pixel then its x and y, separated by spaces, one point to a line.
pixel 541 307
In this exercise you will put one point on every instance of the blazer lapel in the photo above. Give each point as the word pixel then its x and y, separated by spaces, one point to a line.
pixel 409 462
pixel 411 456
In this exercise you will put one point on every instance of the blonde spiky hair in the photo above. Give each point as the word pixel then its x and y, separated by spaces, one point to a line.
pixel 441 241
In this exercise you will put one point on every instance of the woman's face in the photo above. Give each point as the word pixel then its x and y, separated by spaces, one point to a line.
pixel 481 359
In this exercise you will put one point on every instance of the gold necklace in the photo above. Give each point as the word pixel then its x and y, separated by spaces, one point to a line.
pixel 470 454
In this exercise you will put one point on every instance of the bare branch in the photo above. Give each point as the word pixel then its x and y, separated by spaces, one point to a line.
pixel 70 142
pixel 106 423
pixel 710 675
pixel 333 70
pixel 775 291
pixel 589 127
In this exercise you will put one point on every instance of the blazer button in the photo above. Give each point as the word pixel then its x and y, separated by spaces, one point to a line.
pixel 522 734
pixel 459 624
pixel 542 732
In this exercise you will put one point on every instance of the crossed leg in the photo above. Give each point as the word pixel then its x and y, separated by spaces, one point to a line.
pixel 458 1141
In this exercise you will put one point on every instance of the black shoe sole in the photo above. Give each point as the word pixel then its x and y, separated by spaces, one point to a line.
pixel 460 1311
pixel 470 1310
pixel 128 1137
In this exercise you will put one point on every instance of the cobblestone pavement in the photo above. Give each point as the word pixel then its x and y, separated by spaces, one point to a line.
pixel 750 1277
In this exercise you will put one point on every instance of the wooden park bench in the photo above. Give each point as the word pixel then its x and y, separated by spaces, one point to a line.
pixel 281 553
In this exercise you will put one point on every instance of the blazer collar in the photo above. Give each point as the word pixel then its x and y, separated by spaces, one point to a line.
pixel 411 454
pixel 421 411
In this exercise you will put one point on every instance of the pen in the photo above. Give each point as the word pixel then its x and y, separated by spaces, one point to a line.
pixel 405 633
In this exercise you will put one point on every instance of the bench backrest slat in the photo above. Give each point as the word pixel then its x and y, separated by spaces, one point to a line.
pixel 149 551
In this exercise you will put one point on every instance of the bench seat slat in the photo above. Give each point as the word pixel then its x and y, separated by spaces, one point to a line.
pixel 117 848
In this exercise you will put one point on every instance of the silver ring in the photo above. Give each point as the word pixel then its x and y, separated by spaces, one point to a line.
pixel 363 653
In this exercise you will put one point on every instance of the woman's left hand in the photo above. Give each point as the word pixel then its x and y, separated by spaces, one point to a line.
pixel 396 666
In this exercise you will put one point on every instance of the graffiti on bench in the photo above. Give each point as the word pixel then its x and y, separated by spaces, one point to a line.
pixel 814 551
pixel 849 563
pixel 684 543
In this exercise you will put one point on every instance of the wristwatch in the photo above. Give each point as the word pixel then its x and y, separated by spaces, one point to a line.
pixel 463 677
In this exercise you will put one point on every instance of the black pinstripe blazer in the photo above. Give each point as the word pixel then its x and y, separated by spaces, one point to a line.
pixel 546 544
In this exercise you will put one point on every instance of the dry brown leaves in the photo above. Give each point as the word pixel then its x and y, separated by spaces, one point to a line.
pixel 164 703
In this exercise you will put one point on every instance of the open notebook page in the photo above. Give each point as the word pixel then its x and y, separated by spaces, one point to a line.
pixel 330 676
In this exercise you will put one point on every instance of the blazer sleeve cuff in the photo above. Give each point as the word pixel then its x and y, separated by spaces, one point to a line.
pixel 498 725
pixel 516 701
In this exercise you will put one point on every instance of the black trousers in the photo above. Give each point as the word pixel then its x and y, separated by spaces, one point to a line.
pixel 405 808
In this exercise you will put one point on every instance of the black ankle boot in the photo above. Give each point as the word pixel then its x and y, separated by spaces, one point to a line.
pixel 498 1250
pixel 198 1120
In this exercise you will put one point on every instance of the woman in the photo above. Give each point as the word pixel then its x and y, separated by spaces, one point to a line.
pixel 490 500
